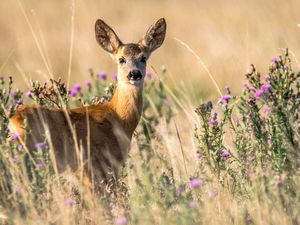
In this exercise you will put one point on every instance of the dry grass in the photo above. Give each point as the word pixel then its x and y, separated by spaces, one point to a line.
pixel 226 35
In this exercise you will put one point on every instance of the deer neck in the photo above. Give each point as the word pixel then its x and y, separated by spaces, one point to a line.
pixel 127 102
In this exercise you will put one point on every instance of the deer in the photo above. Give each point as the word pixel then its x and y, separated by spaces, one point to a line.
pixel 103 132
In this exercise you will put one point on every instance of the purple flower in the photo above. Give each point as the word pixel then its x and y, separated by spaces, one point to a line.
pixel 195 183
pixel 275 59
pixel 249 174
pixel 193 204
pixel 252 89
pixel 41 95
pixel 278 182
pixel 121 220
pixel 20 148
pixel 69 202
pixel 270 142
pixel 73 93
pixel 259 93
pixel 212 194
pixel 224 153
pixel 212 122
pixel 267 77
pixel 1 78
pixel 267 110
pixel 226 97
pixel 102 75
pixel 15 159
pixel 286 68
pixel 148 74
pixel 168 102
pixel 266 87
pixel 180 190
pixel 249 220
pixel 28 94
pixel 19 102
pixel 245 85
pixel 18 189
pixel 198 155
pixel 15 137
pixel 77 87
pixel 39 166
pixel 40 145
pixel 88 84
pixel 115 77
pixel 227 88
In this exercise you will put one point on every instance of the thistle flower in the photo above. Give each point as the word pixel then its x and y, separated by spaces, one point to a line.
pixel 115 77
pixel 267 77
pixel 212 122
pixel 259 93
pixel 198 155
pixel 39 166
pixel 102 75
pixel 180 190
pixel 275 59
pixel 15 159
pixel 39 146
pixel 77 87
pixel 28 94
pixel 278 182
pixel 193 204
pixel 252 89
pixel 19 102
pixel 211 194
pixel 226 97
pixel 267 110
pixel 224 153
pixel 168 102
pixel 72 93
pixel 266 87
pixel 15 136
pixel 69 202
pixel 88 84
pixel 195 183
pixel 18 189
pixel 148 74
pixel 121 220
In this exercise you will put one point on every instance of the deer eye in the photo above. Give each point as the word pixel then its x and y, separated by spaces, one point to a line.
pixel 122 61
pixel 143 59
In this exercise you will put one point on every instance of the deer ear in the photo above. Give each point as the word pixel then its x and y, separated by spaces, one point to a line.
pixel 106 37
pixel 155 35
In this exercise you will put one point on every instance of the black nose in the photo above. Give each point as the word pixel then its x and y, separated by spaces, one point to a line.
pixel 134 75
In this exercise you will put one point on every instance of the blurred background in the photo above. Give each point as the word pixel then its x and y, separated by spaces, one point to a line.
pixel 227 36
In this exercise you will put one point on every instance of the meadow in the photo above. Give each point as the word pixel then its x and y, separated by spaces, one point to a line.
pixel 218 142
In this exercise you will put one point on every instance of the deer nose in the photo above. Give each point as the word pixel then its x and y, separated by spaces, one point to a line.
pixel 134 75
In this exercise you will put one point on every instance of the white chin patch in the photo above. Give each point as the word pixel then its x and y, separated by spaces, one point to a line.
pixel 134 81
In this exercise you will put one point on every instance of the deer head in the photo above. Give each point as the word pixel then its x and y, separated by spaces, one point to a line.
pixel 131 58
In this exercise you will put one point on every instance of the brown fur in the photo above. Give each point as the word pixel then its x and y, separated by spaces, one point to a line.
pixel 102 132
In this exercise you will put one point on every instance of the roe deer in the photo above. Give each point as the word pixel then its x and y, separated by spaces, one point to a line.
pixel 103 132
